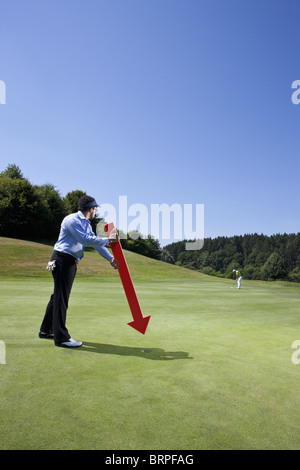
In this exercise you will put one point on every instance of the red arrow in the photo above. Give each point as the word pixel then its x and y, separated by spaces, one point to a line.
pixel 139 322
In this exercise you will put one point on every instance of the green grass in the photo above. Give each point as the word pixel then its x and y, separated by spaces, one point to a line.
pixel 23 259
pixel 219 376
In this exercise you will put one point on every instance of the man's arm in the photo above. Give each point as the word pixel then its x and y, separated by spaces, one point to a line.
pixel 107 255
pixel 113 238
pixel 87 237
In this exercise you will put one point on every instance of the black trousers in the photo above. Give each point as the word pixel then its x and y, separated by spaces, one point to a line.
pixel 56 312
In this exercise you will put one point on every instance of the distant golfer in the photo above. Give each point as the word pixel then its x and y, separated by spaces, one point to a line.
pixel 238 278
pixel 75 234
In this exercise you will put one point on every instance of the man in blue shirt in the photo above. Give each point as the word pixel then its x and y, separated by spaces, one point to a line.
pixel 75 234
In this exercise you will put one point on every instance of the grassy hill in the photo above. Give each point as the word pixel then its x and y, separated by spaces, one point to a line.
pixel 219 373
pixel 20 258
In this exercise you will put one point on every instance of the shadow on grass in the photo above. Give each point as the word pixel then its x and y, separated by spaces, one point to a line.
pixel 155 354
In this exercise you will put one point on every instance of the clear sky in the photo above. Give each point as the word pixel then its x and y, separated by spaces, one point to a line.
pixel 164 101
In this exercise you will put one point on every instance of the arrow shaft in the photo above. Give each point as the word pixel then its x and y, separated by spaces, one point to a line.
pixel 125 277
pixel 127 281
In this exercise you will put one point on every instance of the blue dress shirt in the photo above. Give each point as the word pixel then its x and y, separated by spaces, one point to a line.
pixel 76 233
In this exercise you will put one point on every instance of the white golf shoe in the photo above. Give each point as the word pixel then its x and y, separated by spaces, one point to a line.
pixel 71 343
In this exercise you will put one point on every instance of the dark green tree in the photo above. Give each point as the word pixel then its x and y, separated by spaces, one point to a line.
pixel 22 211
pixel 13 171
pixel 56 208
pixel 274 267
pixel 71 200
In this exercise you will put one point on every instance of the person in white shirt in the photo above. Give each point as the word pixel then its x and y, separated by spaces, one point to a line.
pixel 75 234
pixel 238 278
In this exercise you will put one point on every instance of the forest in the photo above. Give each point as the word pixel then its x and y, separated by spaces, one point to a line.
pixel 34 212
pixel 257 256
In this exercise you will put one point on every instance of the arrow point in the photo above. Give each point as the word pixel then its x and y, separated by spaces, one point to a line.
pixel 141 324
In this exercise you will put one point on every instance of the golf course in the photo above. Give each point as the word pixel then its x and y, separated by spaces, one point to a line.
pixel 213 371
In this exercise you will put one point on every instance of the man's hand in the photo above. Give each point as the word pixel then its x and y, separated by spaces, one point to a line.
pixel 51 266
pixel 114 237
pixel 115 263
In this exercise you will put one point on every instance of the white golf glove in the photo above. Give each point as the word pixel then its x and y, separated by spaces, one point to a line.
pixel 51 265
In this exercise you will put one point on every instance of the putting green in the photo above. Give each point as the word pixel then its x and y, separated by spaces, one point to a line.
pixel 219 374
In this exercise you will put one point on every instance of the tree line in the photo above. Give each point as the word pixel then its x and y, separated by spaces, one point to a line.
pixel 35 212
pixel 275 257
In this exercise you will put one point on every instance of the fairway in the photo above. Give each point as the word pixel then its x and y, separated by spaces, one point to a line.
pixel 219 374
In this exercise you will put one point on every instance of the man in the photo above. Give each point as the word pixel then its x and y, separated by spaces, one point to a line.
pixel 75 234
pixel 238 278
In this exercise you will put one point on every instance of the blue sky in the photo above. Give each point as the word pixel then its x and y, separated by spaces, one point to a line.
pixel 164 101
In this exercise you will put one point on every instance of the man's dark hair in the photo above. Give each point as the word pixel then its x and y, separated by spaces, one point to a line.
pixel 85 202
